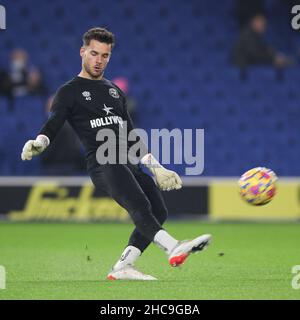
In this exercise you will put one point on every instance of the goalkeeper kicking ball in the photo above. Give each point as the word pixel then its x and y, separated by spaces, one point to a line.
pixel 257 186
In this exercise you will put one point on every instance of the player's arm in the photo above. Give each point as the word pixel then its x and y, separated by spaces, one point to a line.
pixel 165 179
pixel 60 111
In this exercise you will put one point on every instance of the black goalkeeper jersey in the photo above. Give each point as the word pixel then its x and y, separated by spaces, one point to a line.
pixel 89 106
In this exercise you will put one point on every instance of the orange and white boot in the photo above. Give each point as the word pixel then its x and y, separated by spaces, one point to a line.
pixel 184 248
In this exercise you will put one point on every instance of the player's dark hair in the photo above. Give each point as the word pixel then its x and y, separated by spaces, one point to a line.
pixel 99 34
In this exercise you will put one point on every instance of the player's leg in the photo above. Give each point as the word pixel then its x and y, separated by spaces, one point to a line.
pixel 176 251
pixel 119 182
pixel 159 208
pixel 138 242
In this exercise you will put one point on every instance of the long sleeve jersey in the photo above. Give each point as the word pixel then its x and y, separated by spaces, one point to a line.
pixel 89 106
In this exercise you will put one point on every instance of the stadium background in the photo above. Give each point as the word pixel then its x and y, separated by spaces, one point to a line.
pixel 176 56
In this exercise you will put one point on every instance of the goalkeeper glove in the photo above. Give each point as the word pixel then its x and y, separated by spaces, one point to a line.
pixel 165 179
pixel 34 147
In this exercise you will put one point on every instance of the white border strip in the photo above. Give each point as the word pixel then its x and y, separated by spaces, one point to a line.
pixel 78 180
pixel 28 181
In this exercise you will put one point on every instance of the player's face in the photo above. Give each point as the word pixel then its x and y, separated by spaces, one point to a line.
pixel 95 58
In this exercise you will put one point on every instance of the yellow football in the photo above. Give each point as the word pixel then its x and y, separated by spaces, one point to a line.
pixel 257 186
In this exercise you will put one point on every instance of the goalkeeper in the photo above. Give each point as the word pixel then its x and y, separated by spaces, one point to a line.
pixel 90 103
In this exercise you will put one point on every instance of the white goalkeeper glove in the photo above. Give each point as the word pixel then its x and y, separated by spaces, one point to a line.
pixel 34 147
pixel 165 179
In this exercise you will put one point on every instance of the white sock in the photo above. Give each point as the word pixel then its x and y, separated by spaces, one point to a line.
pixel 165 241
pixel 129 256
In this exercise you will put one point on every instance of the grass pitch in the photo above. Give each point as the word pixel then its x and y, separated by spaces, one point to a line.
pixel 71 261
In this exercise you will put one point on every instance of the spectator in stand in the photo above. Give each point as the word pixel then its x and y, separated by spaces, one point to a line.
pixel 19 79
pixel 252 49
pixel 24 80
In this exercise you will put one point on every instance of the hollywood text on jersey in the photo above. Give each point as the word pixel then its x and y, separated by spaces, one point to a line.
pixel 105 121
